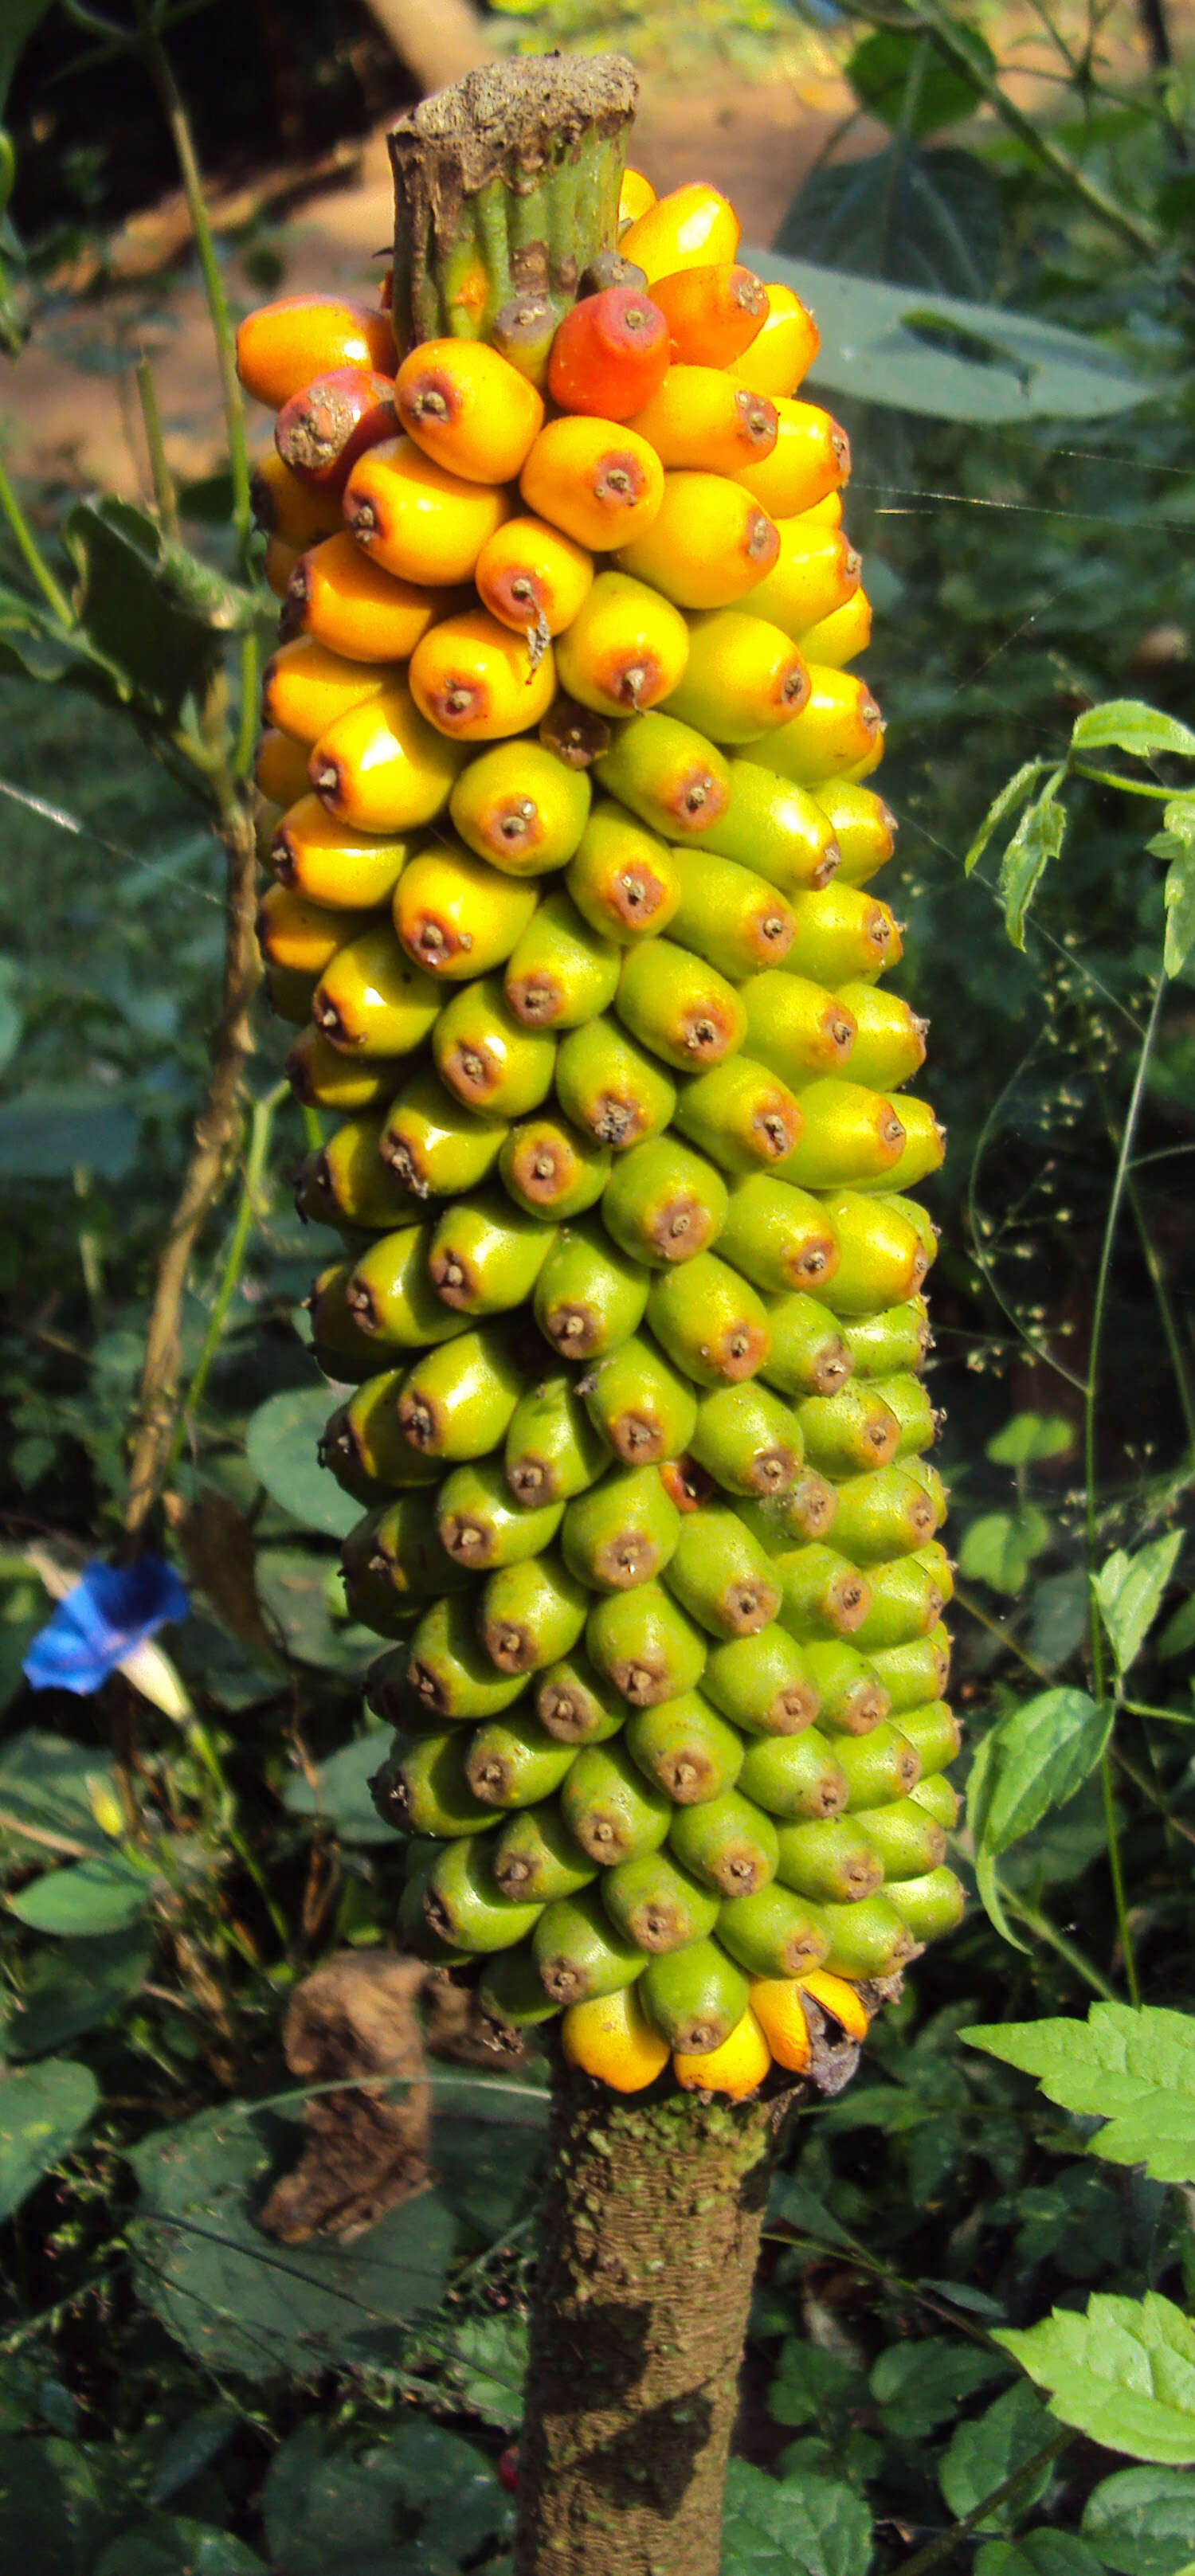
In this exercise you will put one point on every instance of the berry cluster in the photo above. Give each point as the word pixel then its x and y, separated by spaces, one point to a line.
pixel 572 854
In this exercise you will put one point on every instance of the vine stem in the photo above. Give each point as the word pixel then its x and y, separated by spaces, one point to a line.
pixel 261 1121
pixel 940 2550
pixel 30 553
pixel 1090 1397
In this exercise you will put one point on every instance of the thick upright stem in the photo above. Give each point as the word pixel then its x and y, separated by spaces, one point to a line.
pixel 650 2233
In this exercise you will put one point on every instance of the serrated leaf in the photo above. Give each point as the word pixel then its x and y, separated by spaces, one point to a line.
pixel 281 1441
pixel 94 1897
pixel 812 2524
pixel 1133 2068
pixel 490 2366
pixel 1142 2522
pixel 1039 1756
pixel 981 2455
pixel 1031 370
pixel 999 1547
pixel 1028 1437
pixel 1128 724
pixel 414 2506
pixel 897 75
pixel 1129 1591
pixel 156 650
pixel 1123 2373
pixel 242 2303
pixel 1001 807
pixel 921 2384
pixel 1037 839
pixel 1037 2553
pixel 340 1791
pixel 42 2110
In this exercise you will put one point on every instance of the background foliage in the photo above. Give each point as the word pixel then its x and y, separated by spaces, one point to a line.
pixel 972 2339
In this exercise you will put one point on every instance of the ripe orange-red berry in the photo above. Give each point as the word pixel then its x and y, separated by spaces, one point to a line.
pixel 712 313
pixel 609 354
pixel 323 429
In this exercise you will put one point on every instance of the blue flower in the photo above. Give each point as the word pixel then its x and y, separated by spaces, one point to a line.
pixel 111 1610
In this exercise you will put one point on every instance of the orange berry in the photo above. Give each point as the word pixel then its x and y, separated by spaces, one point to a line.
pixel 476 681
pixel 838 1996
pixel 283 345
pixel 292 931
pixel 279 565
pixel 776 2004
pixel 415 518
pixel 609 354
pixel 738 2067
pixel 323 429
pixel 468 408
pixel 702 419
pixel 708 544
pixel 811 457
pixel 305 688
pixel 284 507
pixel 382 767
pixel 686 229
pixel 528 573
pixel 348 603
pixel 612 2038
pixel 712 313
pixel 634 197
pixel 815 572
pixel 280 766
pixel 626 648
pixel 595 479
pixel 839 732
pixel 784 347
pixel 827 513
pixel 838 638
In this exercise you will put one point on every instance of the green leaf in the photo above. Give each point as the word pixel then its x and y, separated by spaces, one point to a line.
pixel 1128 724
pixel 999 1548
pixel 927 222
pixel 18 21
pixel 899 78
pixel 1142 2522
pixel 66 1991
pixel 1129 1591
pixel 296 1590
pixel 42 2110
pixel 1037 839
pixel 981 2455
pixel 1123 2373
pixel 1178 1635
pixel 1036 2553
pixel 980 1781
pixel 240 2302
pixel 422 2501
pixel 155 648
pixel 172 2546
pixel 280 1441
pixel 811 2524
pixel 95 1896
pixel 1134 2068
pixel 36 2524
pixel 490 2366
pixel 54 1129
pixel 1028 1437
pixel 340 1792
pixel 48 1781
pixel 11 1016
pixel 1001 807
pixel 921 2384
pixel 487 2169
pixel 1031 371
pixel 1178 896
pixel 1040 1755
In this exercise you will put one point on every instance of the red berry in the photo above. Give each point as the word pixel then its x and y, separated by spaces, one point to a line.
pixel 609 354
pixel 322 430
pixel 508 2468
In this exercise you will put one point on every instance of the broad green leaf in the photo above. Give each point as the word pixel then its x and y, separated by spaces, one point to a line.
pixel 340 1792
pixel 1037 2553
pixel 1124 2373
pixel 1178 895
pixel 1029 1436
pixel 242 2303
pixel 1001 807
pixel 48 1781
pixel 900 78
pixel 68 1990
pixel 981 2455
pixel 1178 1635
pixel 296 1590
pixel 188 2449
pixel 921 2384
pixel 156 650
pixel 42 2110
pixel 1129 1591
pixel 281 1442
pixel 94 1896
pixel 1029 371
pixel 1039 1756
pixel 1133 2068
pixel 36 2524
pixel 1128 724
pixel 930 222
pixel 812 2386
pixel 1036 840
pixel 490 2366
pixel 999 1548
pixel 53 1130
pixel 421 2501
pixel 1142 2522
pixel 171 2546
pixel 810 2524
pixel 18 20
pixel 987 1879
